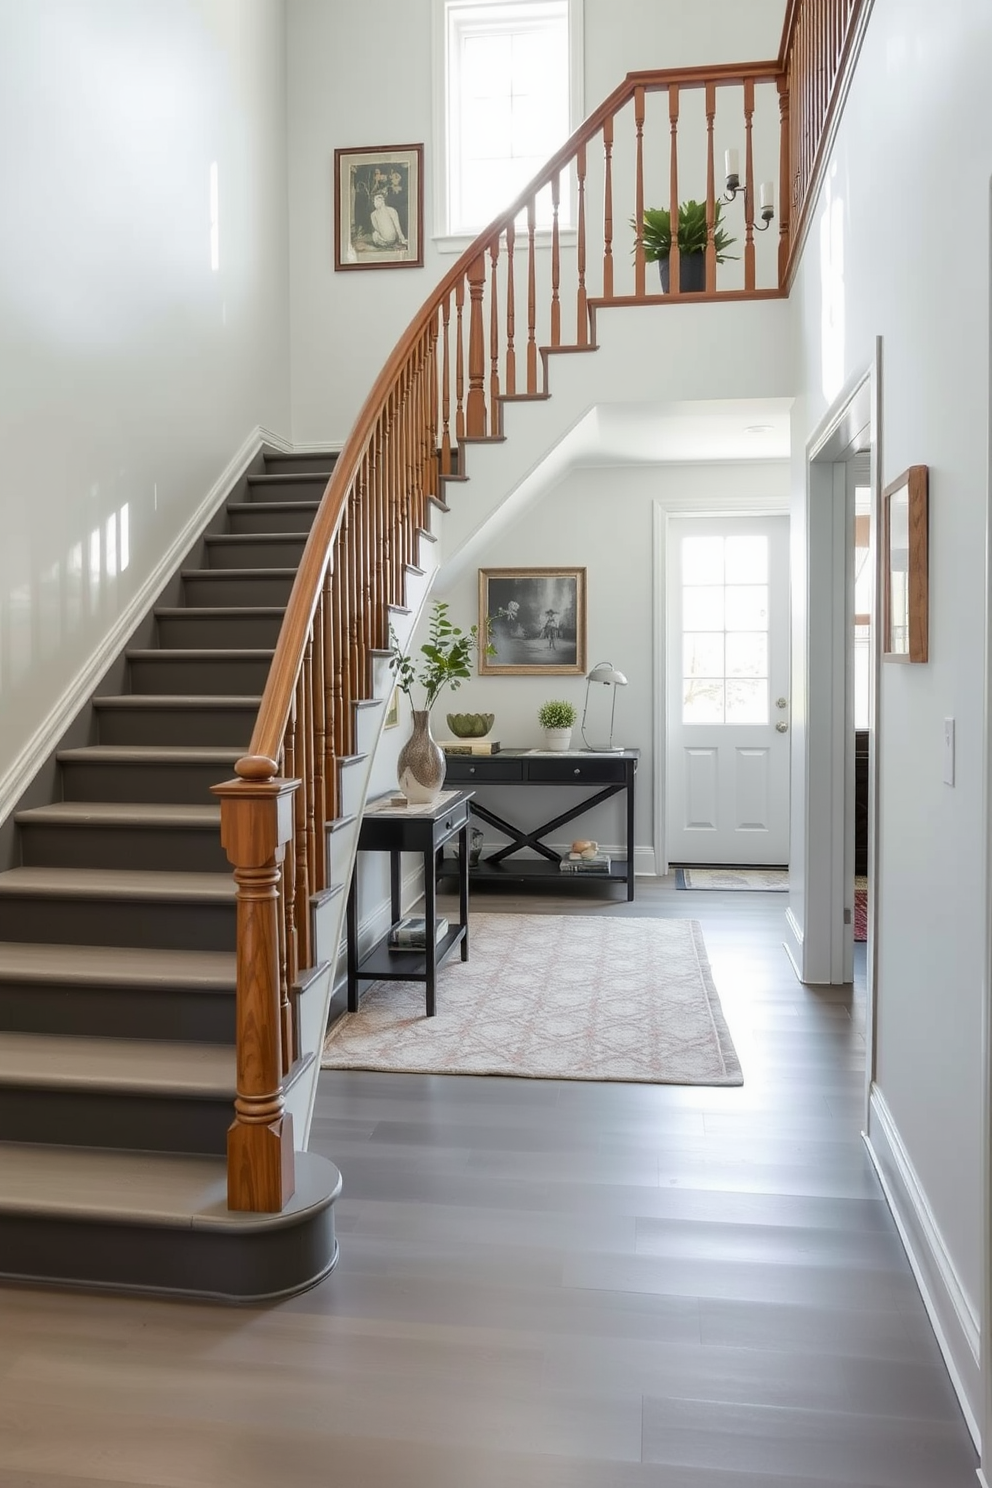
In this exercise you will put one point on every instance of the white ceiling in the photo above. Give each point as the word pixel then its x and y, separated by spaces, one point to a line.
pixel 682 433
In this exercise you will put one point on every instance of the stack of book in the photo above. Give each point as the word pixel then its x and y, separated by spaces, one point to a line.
pixel 469 746
pixel 410 933
pixel 585 863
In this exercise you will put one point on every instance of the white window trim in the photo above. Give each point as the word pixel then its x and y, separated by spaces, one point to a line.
pixel 444 241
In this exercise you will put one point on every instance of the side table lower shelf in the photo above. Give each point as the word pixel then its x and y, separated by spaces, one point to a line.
pixel 532 870
pixel 383 964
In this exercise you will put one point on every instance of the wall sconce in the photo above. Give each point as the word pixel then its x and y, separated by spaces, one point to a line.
pixel 605 672
pixel 766 191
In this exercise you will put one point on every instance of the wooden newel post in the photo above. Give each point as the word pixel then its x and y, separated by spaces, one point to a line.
pixel 256 823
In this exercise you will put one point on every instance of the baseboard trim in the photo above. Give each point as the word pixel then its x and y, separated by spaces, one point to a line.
pixel 955 1321
pixel 315 447
pixel 18 776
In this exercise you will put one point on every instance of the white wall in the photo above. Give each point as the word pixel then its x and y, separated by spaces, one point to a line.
pixel 130 372
pixel 916 136
pixel 565 527
pixel 361 75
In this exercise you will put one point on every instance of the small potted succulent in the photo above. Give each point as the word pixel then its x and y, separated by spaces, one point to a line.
pixel 655 236
pixel 557 719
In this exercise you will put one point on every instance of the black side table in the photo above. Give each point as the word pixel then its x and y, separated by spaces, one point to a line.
pixel 396 830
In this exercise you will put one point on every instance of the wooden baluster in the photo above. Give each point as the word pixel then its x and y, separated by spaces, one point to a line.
pixel 445 387
pixel 555 261
pixel 494 410
pixel 332 641
pixel 511 354
pixel 309 770
pixel 376 600
pixel 319 748
pixel 674 278
pixel 711 203
pixel 608 209
pixel 639 286
pixel 784 178
pixel 289 867
pixel 392 582
pixel 581 301
pixel 431 485
pixel 359 581
pixel 531 297
pixel 459 373
pixel 256 812
pixel 300 842
pixel 341 630
pixel 291 1034
pixel 383 554
pixel 475 413
pixel 748 184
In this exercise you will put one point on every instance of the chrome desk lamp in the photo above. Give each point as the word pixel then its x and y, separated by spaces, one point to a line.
pixel 606 673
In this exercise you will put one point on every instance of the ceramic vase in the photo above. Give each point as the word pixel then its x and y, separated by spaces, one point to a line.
pixel 421 763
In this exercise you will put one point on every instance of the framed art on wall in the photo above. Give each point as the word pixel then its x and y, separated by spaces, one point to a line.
pixel 379 207
pixel 905 575
pixel 537 621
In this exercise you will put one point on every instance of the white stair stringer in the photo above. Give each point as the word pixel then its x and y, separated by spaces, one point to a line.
pixel 328 909
pixel 645 354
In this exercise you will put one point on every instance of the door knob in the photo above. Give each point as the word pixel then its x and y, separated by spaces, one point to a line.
pixel 782 727
pixel 781 702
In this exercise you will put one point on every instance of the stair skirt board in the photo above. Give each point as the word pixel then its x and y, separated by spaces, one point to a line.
pixel 197 1254
pixel 117 938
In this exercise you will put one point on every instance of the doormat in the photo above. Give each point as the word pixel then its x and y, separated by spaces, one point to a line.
pixel 553 997
pixel 768 880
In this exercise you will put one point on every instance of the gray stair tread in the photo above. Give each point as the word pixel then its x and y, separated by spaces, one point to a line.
pixel 161 1188
pixel 277 506
pixel 247 538
pixel 164 754
pixel 211 612
pixel 120 883
pixel 140 1066
pixel 296 477
pixel 109 966
pixel 201 653
pixel 121 814
pixel 240 573
pixel 171 699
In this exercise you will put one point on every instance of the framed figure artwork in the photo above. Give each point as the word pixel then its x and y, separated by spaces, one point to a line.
pixel 379 207
pixel 536 620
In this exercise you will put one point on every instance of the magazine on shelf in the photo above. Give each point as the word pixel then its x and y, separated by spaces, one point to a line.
pixel 410 933
pixel 576 863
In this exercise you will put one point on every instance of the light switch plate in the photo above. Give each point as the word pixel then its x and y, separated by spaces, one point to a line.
pixel 948 751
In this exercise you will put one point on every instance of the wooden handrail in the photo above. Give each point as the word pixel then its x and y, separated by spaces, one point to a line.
pixel 473 343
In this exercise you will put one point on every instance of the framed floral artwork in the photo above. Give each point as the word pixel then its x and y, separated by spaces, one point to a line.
pixel 379 207
pixel 536 620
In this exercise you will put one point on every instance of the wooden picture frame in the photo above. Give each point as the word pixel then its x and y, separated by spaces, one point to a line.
pixel 905 567
pixel 369 234
pixel 536 618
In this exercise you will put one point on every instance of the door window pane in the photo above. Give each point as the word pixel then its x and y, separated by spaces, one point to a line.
pixel 702 607
pixel 702 655
pixel 747 654
pixel 747 607
pixel 747 702
pixel 747 560
pixel 702 560
pixel 702 702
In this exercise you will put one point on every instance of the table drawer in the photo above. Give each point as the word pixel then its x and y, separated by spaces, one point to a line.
pixel 482 770
pixel 451 821
pixel 575 771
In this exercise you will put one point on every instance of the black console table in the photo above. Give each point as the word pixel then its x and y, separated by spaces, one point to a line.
pixel 417 829
pixel 613 772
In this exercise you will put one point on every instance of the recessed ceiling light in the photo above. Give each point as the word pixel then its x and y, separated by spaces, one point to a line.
pixel 758 429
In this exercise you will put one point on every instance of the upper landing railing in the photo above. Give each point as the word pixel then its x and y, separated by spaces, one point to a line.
pixel 529 283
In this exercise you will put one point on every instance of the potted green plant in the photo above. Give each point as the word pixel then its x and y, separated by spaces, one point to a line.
pixel 557 719
pixel 446 662
pixel 655 236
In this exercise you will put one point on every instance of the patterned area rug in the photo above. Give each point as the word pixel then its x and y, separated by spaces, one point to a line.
pixel 771 880
pixel 553 997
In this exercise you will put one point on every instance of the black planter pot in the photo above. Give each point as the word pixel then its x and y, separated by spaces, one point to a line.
pixel 692 273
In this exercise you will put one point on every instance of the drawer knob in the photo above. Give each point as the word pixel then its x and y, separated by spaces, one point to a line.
pixel 447 825
pixel 576 771
pixel 471 769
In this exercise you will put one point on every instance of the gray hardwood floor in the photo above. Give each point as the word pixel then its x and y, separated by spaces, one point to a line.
pixel 543 1285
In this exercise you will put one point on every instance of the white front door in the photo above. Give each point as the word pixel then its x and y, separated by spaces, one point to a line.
pixel 727 798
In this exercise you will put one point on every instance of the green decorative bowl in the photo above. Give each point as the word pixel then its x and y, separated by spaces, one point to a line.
pixel 470 725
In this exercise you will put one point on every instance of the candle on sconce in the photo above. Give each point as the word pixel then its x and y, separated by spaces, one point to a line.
pixel 766 196
pixel 733 163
